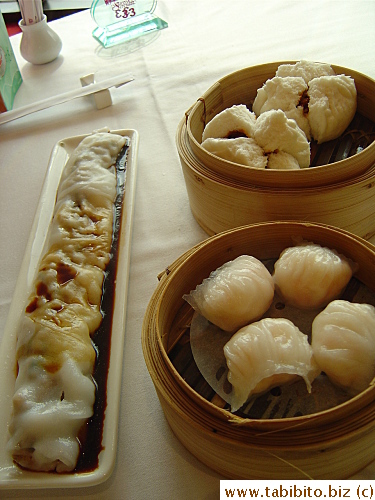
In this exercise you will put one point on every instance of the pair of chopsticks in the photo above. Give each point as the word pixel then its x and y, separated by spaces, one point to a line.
pixel 116 81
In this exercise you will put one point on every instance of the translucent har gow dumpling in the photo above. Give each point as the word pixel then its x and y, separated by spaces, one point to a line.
pixel 310 276
pixel 343 343
pixel 265 354
pixel 236 293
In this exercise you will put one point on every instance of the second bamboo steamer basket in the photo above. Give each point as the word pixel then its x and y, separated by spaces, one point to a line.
pixel 334 443
pixel 224 195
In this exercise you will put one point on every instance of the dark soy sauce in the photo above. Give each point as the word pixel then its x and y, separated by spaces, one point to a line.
pixel 92 434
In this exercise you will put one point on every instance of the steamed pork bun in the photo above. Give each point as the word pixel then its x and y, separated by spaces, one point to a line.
pixel 235 121
pixel 322 103
pixel 279 93
pixel 275 132
pixel 308 70
pixel 299 115
pixel 242 150
pixel 282 161
pixel 236 135
pixel 304 101
pixel 287 94
pixel 332 106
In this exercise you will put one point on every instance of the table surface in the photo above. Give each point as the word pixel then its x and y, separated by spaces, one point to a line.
pixel 205 40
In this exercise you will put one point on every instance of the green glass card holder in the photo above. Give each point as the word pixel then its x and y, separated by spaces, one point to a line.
pixel 121 20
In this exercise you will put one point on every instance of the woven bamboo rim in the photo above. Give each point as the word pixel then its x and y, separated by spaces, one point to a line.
pixel 240 88
pixel 205 428
pixel 219 203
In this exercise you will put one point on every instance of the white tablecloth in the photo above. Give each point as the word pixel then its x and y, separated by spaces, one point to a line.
pixel 205 40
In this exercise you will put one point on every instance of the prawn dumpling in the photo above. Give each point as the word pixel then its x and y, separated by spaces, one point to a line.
pixel 310 276
pixel 238 292
pixel 343 343
pixel 265 354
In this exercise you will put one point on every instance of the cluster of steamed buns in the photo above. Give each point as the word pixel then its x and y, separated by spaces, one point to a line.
pixel 303 102
pixel 263 353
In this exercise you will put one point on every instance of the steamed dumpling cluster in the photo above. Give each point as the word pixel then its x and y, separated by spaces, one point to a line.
pixel 264 352
pixel 237 135
pixel 322 103
pixel 303 102
pixel 236 293
pixel 234 297
pixel 309 276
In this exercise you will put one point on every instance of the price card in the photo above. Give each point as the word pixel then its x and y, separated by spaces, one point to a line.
pixel 122 20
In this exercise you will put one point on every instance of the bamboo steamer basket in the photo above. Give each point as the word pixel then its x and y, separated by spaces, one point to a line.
pixel 330 444
pixel 339 191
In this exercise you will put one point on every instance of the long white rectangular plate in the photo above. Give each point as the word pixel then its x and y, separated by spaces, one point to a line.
pixel 11 476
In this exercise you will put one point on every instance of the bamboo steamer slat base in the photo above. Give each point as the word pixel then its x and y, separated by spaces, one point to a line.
pixel 331 444
pixel 224 195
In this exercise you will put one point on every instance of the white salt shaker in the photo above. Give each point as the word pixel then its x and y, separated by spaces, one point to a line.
pixel 39 43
